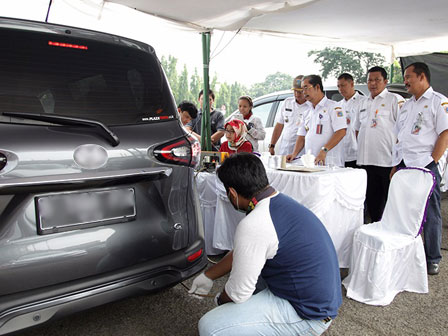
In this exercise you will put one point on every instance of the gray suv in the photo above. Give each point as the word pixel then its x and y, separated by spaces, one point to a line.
pixel 97 197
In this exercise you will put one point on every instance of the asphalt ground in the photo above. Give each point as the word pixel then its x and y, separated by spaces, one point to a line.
pixel 174 312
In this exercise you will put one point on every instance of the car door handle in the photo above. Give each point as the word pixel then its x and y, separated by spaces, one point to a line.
pixel 81 180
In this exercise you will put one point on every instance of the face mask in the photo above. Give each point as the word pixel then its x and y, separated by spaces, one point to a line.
pixel 237 206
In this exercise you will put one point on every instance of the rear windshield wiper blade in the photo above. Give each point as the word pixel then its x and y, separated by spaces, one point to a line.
pixel 64 120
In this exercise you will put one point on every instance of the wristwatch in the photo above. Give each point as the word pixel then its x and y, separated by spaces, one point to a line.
pixel 325 149
pixel 271 145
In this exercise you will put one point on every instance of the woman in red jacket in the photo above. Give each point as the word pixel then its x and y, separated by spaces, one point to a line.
pixel 235 131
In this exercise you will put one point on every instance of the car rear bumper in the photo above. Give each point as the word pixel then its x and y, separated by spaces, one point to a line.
pixel 41 306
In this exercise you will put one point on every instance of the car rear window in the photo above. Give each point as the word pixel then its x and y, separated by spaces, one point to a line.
pixel 77 77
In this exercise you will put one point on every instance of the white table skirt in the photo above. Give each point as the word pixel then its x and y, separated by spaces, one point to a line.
pixel 335 196
pixel 206 186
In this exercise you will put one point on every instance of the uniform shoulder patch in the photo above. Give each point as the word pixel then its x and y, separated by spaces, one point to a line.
pixel 445 106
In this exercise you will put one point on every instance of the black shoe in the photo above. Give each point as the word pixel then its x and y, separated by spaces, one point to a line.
pixel 433 269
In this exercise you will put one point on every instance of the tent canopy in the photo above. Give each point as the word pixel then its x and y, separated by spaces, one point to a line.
pixel 398 27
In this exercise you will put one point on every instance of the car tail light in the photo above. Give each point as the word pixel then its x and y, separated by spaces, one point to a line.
pixel 182 151
pixel 67 45
pixel 194 256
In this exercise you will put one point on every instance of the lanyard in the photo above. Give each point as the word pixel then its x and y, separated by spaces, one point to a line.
pixel 268 191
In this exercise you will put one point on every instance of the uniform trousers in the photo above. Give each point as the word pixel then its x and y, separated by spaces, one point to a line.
pixel 351 164
pixel 432 228
pixel 378 180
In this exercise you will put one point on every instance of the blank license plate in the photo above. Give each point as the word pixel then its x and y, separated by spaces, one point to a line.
pixel 68 211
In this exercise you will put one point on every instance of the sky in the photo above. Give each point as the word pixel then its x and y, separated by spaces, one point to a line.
pixel 246 58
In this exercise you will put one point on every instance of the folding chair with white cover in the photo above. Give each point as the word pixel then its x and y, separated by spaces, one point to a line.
pixel 388 256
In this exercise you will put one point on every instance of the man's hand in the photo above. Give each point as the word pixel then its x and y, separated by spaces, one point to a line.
pixel 320 158
pixel 392 172
pixel 272 150
pixel 201 285
pixel 290 157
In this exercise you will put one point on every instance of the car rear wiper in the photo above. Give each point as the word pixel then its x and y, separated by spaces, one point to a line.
pixel 64 120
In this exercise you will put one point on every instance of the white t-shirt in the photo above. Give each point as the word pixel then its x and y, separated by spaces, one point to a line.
pixel 291 116
pixel 419 125
pixel 252 247
pixel 376 130
pixel 326 118
pixel 352 108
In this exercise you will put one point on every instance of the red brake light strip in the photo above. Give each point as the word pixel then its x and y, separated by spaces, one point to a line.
pixel 67 45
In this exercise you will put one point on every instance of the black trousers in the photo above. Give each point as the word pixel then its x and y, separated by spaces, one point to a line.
pixel 377 189
pixel 351 164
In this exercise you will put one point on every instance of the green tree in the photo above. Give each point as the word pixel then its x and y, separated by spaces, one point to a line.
pixel 236 91
pixel 398 75
pixel 170 67
pixel 184 88
pixel 214 83
pixel 274 82
pixel 195 85
pixel 223 98
pixel 335 61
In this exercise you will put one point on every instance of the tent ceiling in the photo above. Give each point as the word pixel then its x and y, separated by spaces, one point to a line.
pixel 404 26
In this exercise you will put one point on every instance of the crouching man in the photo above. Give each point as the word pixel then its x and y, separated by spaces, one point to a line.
pixel 284 244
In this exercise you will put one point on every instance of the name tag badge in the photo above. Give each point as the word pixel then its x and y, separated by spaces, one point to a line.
pixel 319 125
pixel 416 129
pixel 417 125
pixel 374 122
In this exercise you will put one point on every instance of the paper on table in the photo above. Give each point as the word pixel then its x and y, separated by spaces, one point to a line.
pixel 303 169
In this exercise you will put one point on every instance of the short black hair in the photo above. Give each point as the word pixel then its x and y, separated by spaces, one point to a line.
pixel 315 80
pixel 245 173
pixel 378 69
pixel 188 107
pixel 346 76
pixel 210 93
pixel 419 68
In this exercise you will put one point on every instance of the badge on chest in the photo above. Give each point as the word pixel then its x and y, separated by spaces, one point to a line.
pixel 319 125
pixel 417 124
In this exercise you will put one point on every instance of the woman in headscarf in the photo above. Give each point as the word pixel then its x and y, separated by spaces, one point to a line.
pixel 255 129
pixel 235 132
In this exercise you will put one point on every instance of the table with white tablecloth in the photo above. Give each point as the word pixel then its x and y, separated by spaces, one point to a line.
pixel 206 186
pixel 336 196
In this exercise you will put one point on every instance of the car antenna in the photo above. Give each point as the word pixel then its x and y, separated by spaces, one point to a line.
pixel 48 11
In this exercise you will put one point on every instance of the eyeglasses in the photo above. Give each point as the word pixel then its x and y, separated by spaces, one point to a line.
pixel 304 88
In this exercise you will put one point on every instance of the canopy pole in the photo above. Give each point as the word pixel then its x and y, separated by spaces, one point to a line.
pixel 206 143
